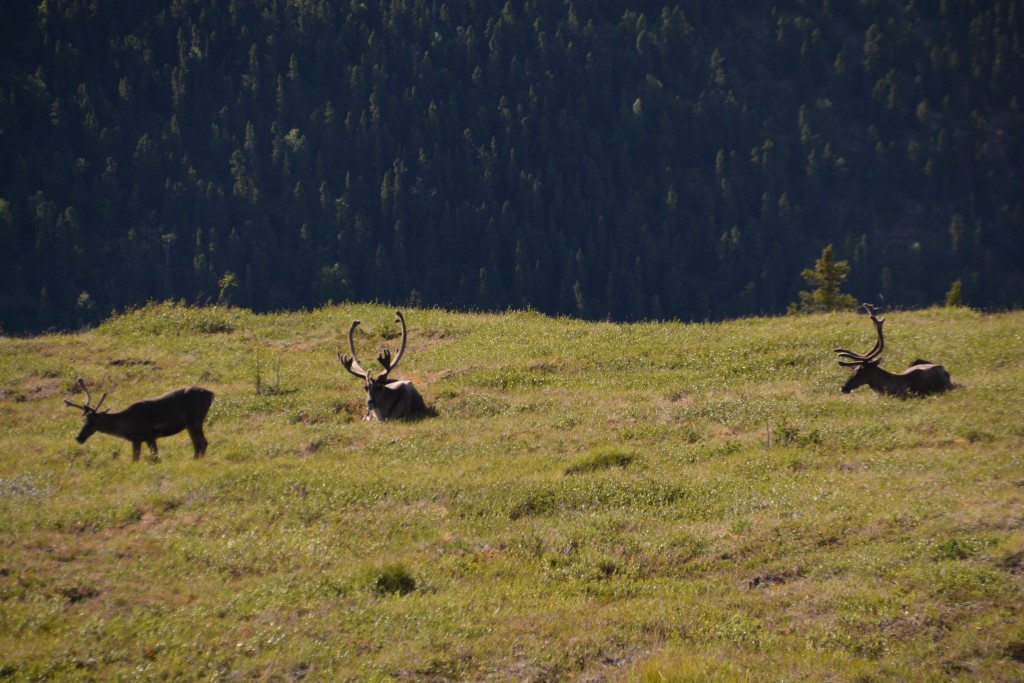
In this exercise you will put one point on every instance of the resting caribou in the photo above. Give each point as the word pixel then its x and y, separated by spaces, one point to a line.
pixel 146 421
pixel 921 377
pixel 386 398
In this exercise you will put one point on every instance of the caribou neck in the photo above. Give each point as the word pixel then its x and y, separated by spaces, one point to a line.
pixel 885 382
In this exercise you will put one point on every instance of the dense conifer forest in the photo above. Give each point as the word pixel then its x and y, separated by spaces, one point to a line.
pixel 619 160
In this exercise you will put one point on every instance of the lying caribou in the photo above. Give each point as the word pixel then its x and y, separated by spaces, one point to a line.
pixel 386 398
pixel 921 377
pixel 146 421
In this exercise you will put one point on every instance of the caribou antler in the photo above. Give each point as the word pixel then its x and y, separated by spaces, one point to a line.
pixel 385 355
pixel 88 399
pixel 351 363
pixel 860 359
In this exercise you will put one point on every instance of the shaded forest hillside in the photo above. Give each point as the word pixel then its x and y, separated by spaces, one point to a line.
pixel 599 159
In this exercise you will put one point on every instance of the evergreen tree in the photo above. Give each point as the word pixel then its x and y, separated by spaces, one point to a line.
pixel 826 276
pixel 953 295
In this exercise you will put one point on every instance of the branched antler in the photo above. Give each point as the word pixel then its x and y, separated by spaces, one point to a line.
pixel 858 358
pixel 88 399
pixel 385 355
pixel 350 362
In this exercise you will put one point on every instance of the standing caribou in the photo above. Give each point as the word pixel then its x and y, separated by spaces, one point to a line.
pixel 386 398
pixel 145 421
pixel 921 377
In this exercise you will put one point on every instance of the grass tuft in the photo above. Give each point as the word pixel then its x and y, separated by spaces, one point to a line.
pixel 602 459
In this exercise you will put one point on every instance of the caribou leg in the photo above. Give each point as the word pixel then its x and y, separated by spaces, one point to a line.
pixel 199 442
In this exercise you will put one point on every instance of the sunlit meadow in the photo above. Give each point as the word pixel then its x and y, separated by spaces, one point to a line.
pixel 587 501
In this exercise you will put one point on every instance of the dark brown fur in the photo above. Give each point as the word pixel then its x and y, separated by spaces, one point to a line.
pixel 917 379
pixel 148 420
pixel 922 377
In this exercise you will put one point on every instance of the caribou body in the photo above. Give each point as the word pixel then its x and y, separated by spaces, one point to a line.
pixel 146 421
pixel 921 377
pixel 386 398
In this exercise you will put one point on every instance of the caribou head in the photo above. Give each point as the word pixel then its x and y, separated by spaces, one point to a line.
pixel 90 419
pixel 921 377
pixel 386 398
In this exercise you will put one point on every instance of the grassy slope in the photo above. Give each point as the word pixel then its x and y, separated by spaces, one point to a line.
pixel 593 501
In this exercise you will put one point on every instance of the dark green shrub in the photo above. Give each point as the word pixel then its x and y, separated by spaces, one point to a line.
pixel 394 578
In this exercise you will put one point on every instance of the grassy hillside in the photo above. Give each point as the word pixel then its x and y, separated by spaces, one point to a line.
pixel 590 502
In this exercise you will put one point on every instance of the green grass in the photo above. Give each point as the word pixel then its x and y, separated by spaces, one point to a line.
pixel 592 501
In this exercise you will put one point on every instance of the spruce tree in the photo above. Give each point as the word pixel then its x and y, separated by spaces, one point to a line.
pixel 826 276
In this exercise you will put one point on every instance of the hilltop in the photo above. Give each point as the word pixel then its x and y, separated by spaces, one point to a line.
pixel 592 501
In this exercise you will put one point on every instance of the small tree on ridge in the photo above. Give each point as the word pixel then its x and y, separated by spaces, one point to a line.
pixel 826 276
